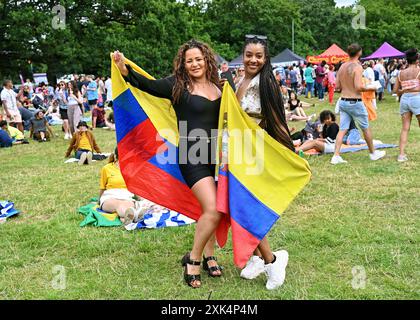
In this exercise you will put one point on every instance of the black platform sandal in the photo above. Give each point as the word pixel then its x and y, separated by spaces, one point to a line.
pixel 190 278
pixel 211 270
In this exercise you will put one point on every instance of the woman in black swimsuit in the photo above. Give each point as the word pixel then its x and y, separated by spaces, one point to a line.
pixel 194 91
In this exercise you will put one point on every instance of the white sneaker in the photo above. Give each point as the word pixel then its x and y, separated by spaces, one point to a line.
pixel 402 158
pixel 276 272
pixel 337 160
pixel 254 267
pixel 89 157
pixel 82 158
pixel 376 155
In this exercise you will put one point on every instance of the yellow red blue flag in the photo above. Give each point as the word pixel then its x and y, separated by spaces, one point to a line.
pixel 257 178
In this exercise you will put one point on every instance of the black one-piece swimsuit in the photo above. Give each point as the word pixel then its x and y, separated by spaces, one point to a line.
pixel 196 112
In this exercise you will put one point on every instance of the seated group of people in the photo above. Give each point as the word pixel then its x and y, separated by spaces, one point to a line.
pixel 321 134
pixel 38 126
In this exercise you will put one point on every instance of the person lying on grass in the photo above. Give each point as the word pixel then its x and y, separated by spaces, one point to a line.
pixel 328 130
pixel 113 193
pixel 15 134
pixel 40 129
pixel 83 143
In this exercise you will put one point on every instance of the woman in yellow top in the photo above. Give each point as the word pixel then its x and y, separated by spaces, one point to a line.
pixel 113 193
pixel 83 143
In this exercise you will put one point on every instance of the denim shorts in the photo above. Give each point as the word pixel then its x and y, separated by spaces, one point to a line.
pixel 410 102
pixel 353 110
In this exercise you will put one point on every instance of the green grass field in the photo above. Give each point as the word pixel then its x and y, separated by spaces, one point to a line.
pixel 360 216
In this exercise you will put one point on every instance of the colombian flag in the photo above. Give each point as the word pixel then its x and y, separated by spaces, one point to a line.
pixel 257 178
pixel 147 138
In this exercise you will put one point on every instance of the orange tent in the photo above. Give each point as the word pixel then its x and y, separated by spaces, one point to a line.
pixel 332 55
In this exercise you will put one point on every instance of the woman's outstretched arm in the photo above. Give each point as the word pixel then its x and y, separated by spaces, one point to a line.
pixel 160 88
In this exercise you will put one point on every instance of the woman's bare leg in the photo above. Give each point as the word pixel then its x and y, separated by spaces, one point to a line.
pixel 301 112
pixel 265 250
pixel 66 127
pixel 257 252
pixel 118 206
pixel 299 118
pixel 307 145
pixel 209 251
pixel 405 129
pixel 205 192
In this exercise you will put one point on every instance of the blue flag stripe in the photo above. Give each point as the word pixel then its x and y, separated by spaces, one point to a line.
pixel 168 162
pixel 259 219
pixel 128 114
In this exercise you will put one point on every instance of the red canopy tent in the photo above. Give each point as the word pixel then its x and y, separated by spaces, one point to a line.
pixel 333 54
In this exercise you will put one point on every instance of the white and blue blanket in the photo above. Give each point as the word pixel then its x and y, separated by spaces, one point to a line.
pixel 160 217
pixel 7 209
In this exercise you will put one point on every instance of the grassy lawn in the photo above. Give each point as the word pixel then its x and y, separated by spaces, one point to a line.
pixel 360 216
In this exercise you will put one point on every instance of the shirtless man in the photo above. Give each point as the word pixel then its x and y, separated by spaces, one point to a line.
pixel 349 82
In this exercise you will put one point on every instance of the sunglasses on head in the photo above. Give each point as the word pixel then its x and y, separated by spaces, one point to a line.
pixel 255 36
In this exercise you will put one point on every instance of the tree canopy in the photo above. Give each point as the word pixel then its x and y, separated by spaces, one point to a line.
pixel 150 32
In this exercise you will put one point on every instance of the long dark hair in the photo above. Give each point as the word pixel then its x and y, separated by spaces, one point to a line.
pixel 74 87
pixel 412 55
pixel 272 107
pixel 182 78
pixel 114 156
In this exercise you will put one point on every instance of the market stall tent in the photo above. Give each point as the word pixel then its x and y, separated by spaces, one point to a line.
pixel 385 51
pixel 286 58
pixel 220 59
pixel 238 61
pixel 332 55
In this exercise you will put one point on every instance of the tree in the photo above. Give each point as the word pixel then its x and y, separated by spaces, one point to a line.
pixel 150 32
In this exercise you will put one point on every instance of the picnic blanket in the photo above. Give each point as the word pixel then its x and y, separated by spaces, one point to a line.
pixel 96 217
pixel 155 217
pixel 7 210
pixel 353 148
pixel 160 217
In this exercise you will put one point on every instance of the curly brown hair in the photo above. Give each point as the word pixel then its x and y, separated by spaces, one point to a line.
pixel 182 79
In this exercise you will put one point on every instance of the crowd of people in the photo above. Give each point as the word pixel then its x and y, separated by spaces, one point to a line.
pixel 314 81
pixel 317 80
pixel 33 108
